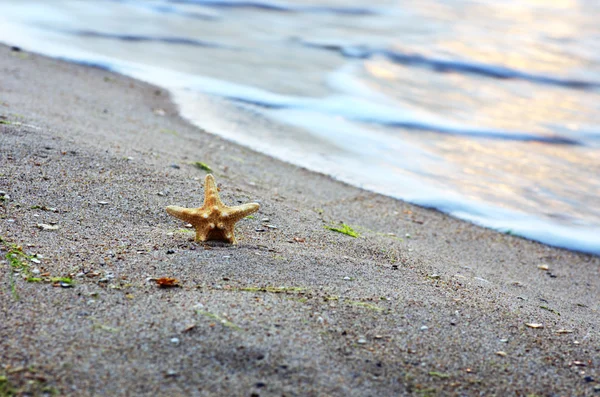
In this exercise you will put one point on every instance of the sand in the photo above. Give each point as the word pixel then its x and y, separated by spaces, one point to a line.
pixel 418 304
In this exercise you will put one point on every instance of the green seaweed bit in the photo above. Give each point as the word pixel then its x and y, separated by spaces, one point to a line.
pixel 6 389
pixel 439 374
pixel 250 217
pixel 364 304
pixel 18 261
pixel 5 122
pixel 219 319
pixel 344 229
pixel 275 290
pixel 182 231
pixel 202 166
pixel 13 287
pixel 431 391
pixel 171 132
pixel 66 280
pixel 301 300
pixel 112 330
pixel 550 310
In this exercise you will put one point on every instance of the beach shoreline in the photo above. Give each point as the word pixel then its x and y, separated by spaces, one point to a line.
pixel 419 303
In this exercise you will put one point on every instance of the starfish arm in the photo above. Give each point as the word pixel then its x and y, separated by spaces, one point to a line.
pixel 211 193
pixel 240 211
pixel 185 214
pixel 202 232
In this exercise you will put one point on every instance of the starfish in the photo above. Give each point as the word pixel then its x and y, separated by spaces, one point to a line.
pixel 214 220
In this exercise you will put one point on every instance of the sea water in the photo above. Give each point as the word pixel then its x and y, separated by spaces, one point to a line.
pixel 486 110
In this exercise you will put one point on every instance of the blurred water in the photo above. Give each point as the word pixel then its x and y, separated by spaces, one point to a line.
pixel 489 111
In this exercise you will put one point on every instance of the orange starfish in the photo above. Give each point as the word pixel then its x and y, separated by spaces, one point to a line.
pixel 214 220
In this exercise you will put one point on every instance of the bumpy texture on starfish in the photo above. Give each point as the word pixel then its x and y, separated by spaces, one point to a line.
pixel 214 220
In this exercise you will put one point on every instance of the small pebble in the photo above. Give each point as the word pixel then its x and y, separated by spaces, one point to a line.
pixel 66 285
pixel 176 166
pixel 189 225
pixel 171 373
pixel 175 341
pixel 161 193
pixel 501 353
pixel 226 257
pixel 361 341
pixel 271 226
pixel 35 260
pixel 543 267
pixel 265 220
pixel 35 271
pixel 103 202
pixel 588 379
pixel 424 328
pixel 169 252
pixel 260 230
pixel 347 278
pixel 504 340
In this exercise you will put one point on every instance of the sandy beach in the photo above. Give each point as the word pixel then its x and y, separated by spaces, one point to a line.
pixel 418 304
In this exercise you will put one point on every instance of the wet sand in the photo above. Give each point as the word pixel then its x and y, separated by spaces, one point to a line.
pixel 420 303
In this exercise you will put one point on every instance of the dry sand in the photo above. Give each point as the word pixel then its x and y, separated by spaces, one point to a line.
pixel 442 312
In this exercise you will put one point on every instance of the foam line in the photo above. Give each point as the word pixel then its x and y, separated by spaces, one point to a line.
pixel 282 7
pixel 452 66
pixel 143 38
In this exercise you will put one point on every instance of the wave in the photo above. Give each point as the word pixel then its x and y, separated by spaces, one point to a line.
pixel 167 9
pixel 143 38
pixel 367 111
pixel 451 66
pixel 281 7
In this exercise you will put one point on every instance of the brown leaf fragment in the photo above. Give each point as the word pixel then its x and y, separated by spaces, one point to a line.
pixel 299 239
pixel 167 282
pixel 189 328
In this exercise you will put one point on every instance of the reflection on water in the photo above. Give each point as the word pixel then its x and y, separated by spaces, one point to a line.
pixel 487 110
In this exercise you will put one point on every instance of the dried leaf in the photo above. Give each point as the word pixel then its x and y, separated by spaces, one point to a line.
pixel 167 282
